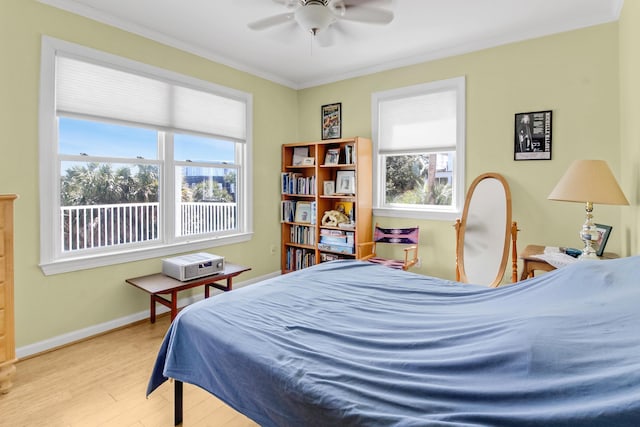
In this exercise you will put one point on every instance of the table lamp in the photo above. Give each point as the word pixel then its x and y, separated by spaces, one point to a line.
pixel 589 182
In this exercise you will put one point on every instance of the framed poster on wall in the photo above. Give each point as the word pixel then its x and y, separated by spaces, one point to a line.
pixel 532 136
pixel 332 121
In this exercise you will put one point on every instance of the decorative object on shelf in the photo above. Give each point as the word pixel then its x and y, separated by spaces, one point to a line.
pixel 603 236
pixel 332 121
pixel 329 188
pixel 333 218
pixel 532 136
pixel 589 182
pixel 345 207
pixel 332 157
pixel 299 154
pixel 345 182
pixel 308 161
pixel 303 212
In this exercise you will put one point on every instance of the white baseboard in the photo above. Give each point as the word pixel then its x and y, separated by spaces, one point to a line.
pixel 81 334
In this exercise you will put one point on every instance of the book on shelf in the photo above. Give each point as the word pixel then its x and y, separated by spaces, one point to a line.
pixel 337 240
pixel 325 257
pixel 287 210
pixel 296 183
pixel 343 249
pixel 297 258
pixel 338 237
pixel 349 154
pixel 302 235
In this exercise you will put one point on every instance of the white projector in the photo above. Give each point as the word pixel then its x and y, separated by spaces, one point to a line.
pixel 192 266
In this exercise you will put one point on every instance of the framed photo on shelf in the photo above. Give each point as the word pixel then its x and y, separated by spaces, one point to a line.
pixel 299 154
pixel 603 235
pixel 346 182
pixel 303 212
pixel 332 157
pixel 332 121
pixel 329 188
pixel 532 136
pixel 308 161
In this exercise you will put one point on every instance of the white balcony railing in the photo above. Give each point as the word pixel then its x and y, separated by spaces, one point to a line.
pixel 97 226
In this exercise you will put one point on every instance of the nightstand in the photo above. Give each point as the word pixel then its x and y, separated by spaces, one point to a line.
pixel 530 263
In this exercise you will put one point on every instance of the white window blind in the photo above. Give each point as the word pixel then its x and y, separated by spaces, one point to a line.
pixel 92 90
pixel 422 123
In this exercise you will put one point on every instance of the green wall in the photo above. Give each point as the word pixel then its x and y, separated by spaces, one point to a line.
pixel 49 306
pixel 629 113
pixel 578 75
pixel 575 74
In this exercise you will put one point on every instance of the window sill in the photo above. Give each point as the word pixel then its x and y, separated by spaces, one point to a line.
pixel 85 263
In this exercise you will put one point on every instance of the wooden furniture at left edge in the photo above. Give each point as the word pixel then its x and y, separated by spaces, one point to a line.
pixel 159 284
pixel 7 330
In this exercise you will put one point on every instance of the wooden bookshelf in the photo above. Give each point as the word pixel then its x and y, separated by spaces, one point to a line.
pixel 306 167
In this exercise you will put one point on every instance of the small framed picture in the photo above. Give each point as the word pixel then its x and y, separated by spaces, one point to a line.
pixel 299 154
pixel 603 235
pixel 532 136
pixel 332 121
pixel 332 157
pixel 308 161
pixel 346 182
pixel 329 188
pixel 303 212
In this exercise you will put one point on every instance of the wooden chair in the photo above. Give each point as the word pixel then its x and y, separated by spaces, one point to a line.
pixel 407 237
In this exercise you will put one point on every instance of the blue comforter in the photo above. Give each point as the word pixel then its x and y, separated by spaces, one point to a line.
pixel 348 343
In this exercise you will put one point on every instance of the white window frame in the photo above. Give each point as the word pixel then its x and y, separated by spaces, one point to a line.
pixel 51 259
pixel 379 178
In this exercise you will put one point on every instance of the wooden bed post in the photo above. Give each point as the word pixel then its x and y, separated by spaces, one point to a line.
pixel 177 403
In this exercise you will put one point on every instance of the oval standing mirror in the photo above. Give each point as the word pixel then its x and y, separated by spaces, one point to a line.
pixel 484 231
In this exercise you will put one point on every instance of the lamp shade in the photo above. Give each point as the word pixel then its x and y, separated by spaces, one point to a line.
pixel 589 181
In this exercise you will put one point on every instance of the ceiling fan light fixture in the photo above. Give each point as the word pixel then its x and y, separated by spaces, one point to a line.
pixel 314 17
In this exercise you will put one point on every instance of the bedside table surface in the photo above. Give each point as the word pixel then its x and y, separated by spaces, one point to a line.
pixel 531 263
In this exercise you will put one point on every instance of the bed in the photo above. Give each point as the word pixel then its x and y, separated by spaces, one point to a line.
pixel 348 343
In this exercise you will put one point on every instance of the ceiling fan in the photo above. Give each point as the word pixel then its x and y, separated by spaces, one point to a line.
pixel 316 16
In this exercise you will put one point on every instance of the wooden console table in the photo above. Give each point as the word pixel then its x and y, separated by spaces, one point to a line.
pixel 531 263
pixel 159 284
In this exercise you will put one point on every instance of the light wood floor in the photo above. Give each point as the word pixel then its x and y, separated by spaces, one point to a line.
pixel 102 382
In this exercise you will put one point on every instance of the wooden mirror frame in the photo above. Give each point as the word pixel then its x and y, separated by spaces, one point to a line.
pixel 506 241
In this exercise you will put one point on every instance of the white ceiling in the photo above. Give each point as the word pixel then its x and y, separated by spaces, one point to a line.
pixel 420 31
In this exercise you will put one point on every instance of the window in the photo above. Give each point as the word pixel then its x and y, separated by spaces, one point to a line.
pixel 136 162
pixel 419 138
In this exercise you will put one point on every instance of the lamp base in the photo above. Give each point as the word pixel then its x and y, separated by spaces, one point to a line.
pixel 588 234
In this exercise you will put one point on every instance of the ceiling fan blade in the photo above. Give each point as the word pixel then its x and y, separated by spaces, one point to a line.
pixel 262 24
pixel 366 14
pixel 288 3
pixel 367 2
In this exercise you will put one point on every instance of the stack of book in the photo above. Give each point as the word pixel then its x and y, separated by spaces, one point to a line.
pixel 337 241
